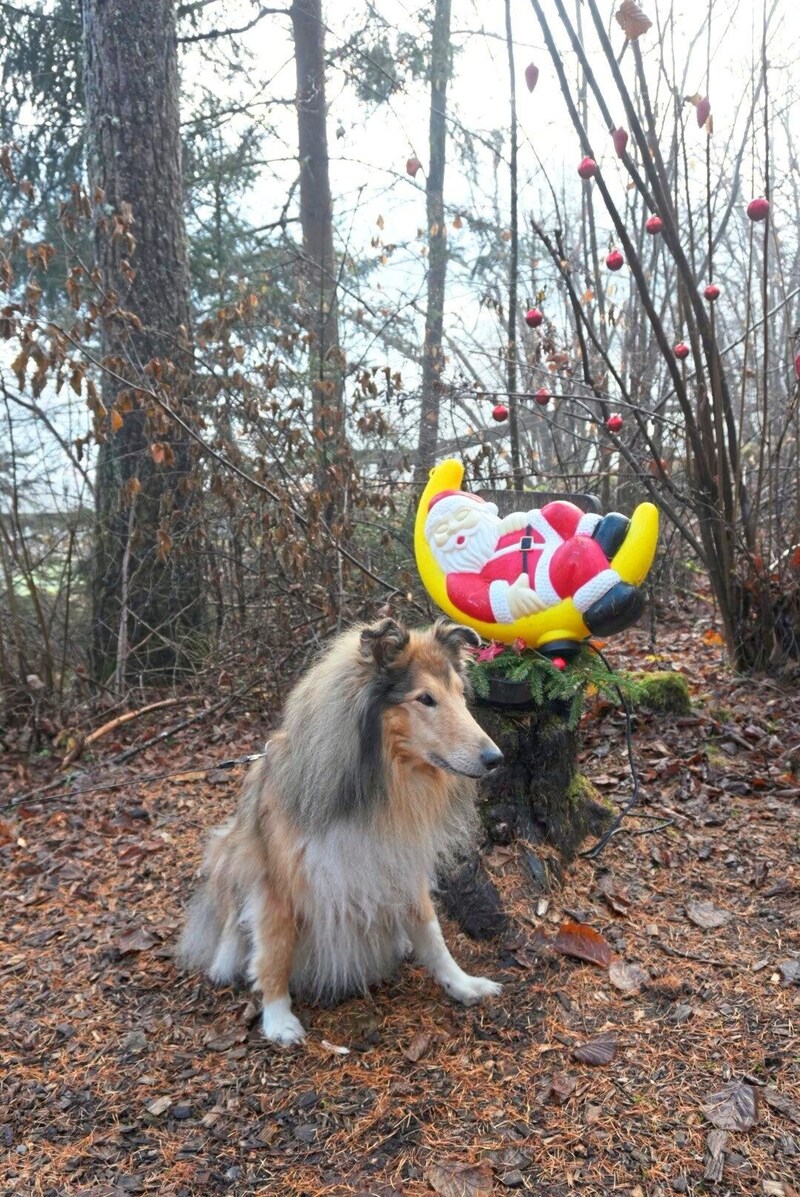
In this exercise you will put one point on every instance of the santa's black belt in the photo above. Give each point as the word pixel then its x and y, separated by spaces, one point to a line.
pixel 526 544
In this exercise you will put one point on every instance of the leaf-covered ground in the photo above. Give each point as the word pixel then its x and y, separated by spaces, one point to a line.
pixel 670 1064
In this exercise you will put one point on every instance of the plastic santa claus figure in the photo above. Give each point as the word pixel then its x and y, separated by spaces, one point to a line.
pixel 500 570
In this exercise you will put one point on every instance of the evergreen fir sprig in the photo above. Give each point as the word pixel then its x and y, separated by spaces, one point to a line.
pixel 585 674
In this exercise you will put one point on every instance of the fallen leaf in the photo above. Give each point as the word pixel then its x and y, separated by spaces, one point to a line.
pixel 135 941
pixel 135 1042
pixel 583 942
pixel 159 1106
pixel 632 20
pixel 336 1048
pixel 418 1046
pixel 715 1156
pixel 459 1180
pixel 782 1103
pixel 600 1050
pixel 562 1086
pixel 228 1039
pixel 790 972
pixel 617 899
pixel 733 1107
pixel 707 915
pixel 627 977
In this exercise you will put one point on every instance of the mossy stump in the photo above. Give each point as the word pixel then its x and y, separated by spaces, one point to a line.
pixel 537 796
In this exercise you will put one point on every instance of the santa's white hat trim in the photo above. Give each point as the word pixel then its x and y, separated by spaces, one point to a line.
pixel 449 501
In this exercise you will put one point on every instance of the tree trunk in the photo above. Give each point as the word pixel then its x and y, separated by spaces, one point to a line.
pixel 145 507
pixel 432 357
pixel 518 472
pixel 319 281
pixel 537 796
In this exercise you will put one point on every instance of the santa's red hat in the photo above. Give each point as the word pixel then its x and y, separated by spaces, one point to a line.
pixel 448 501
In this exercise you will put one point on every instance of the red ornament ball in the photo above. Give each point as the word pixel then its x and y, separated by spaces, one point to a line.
pixel 533 318
pixel 587 168
pixel 758 209
pixel 620 139
pixel 614 423
pixel 654 225
pixel 500 412
pixel 542 397
pixel 531 75
pixel 681 350
pixel 412 166
pixel 559 663
pixel 712 292
pixel 615 260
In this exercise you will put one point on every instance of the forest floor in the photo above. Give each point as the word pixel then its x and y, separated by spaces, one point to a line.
pixel 119 1075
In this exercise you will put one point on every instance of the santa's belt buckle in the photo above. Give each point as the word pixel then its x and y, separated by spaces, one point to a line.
pixel 526 543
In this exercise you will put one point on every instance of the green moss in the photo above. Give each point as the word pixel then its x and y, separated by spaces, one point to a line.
pixel 663 691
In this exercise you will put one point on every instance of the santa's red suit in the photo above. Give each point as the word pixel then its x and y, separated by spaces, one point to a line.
pixel 552 545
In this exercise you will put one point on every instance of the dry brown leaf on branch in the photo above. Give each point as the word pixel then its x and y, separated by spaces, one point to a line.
pixel 583 942
pixel 597 1051
pixel 632 20
pixel 459 1180
pixel 734 1107
pixel 707 915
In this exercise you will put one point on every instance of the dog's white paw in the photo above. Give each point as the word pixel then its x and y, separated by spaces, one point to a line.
pixel 279 1025
pixel 469 990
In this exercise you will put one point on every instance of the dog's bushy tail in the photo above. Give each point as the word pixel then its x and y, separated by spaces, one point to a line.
pixel 212 940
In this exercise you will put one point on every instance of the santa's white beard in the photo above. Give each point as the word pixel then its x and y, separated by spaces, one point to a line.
pixel 478 547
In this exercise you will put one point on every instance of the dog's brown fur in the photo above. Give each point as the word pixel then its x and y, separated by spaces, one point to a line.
pixel 323 876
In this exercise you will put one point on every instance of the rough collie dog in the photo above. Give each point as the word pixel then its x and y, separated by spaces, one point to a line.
pixel 321 882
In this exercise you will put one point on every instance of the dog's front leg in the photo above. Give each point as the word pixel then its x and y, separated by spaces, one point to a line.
pixel 433 954
pixel 274 941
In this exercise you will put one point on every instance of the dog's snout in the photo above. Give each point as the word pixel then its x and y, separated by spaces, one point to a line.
pixel 491 757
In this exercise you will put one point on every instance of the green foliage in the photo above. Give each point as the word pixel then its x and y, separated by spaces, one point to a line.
pixel 587 673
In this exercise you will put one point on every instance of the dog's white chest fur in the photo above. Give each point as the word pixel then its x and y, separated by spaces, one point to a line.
pixel 361 889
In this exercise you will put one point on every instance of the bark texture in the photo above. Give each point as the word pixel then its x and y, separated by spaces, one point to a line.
pixel 147 590
pixel 432 355
pixel 538 795
pixel 318 275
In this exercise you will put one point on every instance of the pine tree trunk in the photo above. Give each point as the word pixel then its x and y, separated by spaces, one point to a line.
pixel 147 585
pixel 318 273
pixel 432 355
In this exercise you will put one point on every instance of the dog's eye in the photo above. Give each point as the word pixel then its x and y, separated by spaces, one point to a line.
pixel 427 700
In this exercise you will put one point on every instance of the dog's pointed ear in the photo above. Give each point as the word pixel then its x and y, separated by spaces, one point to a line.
pixel 455 637
pixel 383 642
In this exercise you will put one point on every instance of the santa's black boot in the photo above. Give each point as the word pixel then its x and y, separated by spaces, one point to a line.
pixel 611 532
pixel 617 609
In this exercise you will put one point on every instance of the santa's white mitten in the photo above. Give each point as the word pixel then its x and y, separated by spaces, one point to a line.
pixel 522 600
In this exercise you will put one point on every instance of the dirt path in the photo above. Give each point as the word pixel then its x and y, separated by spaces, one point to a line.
pixel 119 1076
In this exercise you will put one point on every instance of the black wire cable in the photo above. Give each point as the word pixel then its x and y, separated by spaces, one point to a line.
pixel 593 852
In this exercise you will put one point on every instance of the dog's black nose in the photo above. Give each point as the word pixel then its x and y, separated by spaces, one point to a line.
pixel 491 758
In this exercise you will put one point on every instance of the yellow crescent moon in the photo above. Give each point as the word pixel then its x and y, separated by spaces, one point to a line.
pixel 561 622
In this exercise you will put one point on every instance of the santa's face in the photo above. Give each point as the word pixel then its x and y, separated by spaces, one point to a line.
pixel 464 539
